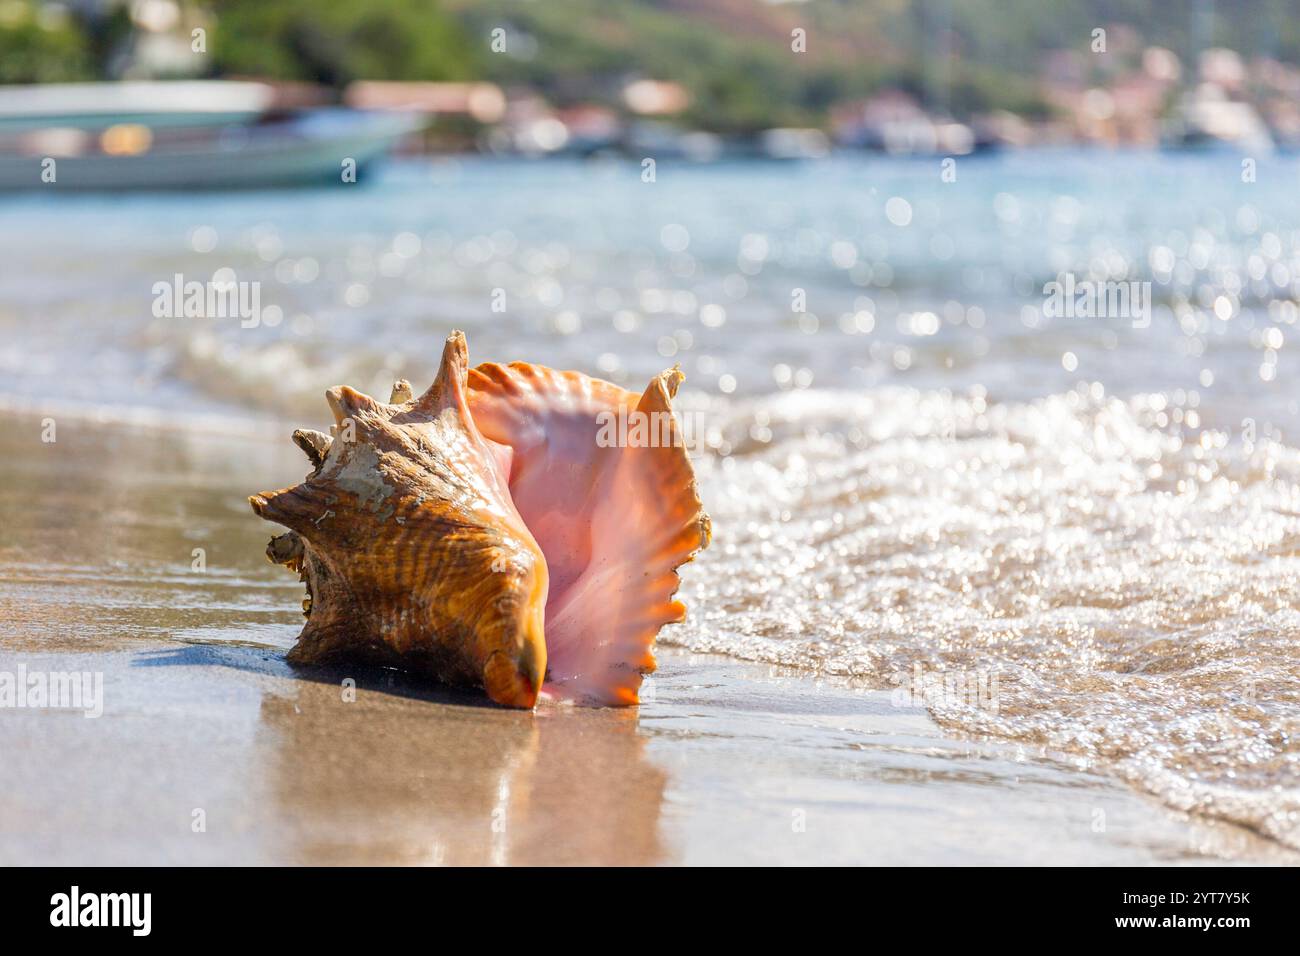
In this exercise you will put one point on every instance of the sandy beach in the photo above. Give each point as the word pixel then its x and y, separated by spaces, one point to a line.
pixel 211 750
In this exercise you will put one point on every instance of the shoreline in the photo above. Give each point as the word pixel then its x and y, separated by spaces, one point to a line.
pixel 727 762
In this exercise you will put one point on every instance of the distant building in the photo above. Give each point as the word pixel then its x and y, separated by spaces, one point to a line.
pixel 483 102
pixel 591 127
pixel 1120 107
pixel 529 126
pixel 894 122
pixel 1208 116
pixel 655 97
pixel 1224 69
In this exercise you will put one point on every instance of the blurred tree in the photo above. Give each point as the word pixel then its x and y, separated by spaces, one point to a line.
pixel 337 41
pixel 733 56
pixel 40 44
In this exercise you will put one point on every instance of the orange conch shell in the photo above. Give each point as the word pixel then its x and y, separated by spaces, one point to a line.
pixel 490 533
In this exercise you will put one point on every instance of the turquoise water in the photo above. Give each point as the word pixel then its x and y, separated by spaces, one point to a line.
pixel 584 265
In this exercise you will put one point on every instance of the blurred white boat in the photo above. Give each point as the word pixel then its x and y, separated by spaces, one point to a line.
pixel 183 135
pixel 1207 118
pixel 156 104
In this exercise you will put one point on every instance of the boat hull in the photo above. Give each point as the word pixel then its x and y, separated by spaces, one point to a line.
pixel 314 150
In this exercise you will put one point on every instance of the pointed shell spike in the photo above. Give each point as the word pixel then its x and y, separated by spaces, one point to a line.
pixel 285 549
pixel 401 392
pixel 448 388
pixel 313 443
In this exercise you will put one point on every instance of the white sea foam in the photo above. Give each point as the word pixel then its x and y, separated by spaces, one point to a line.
pixel 1132 586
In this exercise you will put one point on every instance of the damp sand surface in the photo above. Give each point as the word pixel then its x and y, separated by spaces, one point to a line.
pixel 130 552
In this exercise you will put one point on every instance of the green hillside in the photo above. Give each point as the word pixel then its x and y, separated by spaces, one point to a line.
pixel 734 56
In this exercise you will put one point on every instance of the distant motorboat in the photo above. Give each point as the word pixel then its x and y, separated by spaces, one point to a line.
pixel 91 106
pixel 185 135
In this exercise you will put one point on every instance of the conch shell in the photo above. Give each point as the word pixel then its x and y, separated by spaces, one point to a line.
pixel 487 534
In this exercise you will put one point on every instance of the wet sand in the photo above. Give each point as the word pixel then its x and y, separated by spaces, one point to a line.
pixel 728 762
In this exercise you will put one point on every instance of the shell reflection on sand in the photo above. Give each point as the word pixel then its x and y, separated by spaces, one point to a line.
pixel 503 800
pixel 1131 586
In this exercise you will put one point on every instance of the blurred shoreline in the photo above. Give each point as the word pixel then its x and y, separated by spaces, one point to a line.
pixel 704 77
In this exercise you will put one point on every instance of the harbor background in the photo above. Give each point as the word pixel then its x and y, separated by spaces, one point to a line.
pixel 709 78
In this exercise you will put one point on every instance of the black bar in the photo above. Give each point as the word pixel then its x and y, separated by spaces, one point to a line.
pixel 929 905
